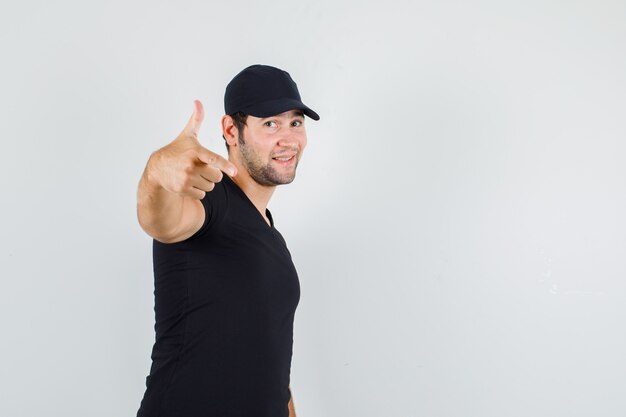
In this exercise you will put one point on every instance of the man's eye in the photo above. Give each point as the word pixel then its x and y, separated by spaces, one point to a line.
pixel 297 123
pixel 270 124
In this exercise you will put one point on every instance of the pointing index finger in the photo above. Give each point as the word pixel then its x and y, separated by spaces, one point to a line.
pixel 217 161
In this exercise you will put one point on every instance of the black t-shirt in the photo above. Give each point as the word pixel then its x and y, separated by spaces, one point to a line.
pixel 225 301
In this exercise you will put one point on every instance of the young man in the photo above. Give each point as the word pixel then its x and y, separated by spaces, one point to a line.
pixel 226 289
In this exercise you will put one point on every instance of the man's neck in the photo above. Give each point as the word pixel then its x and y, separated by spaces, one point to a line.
pixel 258 194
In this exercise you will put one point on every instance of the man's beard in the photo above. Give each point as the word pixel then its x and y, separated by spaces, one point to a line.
pixel 264 174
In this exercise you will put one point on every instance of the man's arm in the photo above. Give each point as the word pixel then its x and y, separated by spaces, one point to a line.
pixel 176 178
pixel 292 410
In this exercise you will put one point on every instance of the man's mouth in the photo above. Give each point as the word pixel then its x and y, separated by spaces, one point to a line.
pixel 285 158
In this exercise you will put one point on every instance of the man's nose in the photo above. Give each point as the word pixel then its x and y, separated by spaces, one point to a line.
pixel 289 140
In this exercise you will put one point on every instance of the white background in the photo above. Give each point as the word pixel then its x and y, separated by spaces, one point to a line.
pixel 457 221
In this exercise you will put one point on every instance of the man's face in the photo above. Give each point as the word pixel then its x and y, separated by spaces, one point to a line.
pixel 271 147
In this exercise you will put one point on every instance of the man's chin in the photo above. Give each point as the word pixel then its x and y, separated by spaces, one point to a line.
pixel 270 176
pixel 284 180
pixel 274 181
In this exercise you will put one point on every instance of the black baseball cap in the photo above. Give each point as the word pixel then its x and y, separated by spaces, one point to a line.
pixel 263 91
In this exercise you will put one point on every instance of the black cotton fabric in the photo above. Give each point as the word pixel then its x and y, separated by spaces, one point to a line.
pixel 225 301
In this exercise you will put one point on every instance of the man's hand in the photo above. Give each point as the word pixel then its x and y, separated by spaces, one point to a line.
pixel 186 168
pixel 176 178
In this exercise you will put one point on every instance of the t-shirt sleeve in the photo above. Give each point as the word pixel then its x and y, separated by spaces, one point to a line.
pixel 214 204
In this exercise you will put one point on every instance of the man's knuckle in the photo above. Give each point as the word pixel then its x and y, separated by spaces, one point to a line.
pixel 188 167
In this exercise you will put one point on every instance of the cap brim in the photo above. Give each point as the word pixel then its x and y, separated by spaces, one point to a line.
pixel 274 107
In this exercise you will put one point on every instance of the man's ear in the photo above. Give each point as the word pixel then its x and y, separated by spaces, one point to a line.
pixel 229 130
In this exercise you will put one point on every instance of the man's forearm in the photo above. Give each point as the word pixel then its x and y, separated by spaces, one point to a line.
pixel 157 209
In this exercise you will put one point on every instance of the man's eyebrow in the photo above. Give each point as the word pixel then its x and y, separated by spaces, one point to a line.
pixel 299 113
